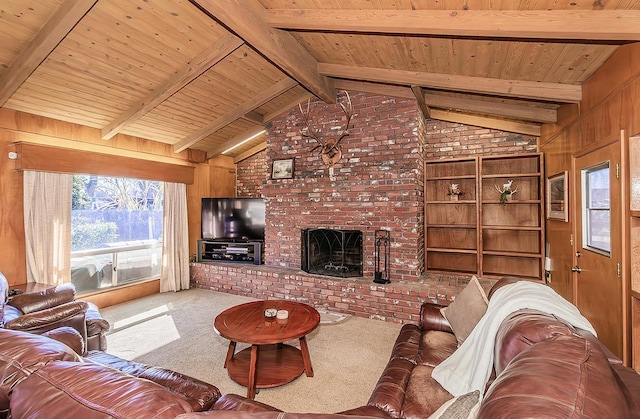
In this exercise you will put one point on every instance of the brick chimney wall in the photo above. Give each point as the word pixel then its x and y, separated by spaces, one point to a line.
pixel 252 173
pixel 376 185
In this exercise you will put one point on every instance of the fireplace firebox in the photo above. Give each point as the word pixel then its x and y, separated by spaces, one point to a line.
pixel 332 252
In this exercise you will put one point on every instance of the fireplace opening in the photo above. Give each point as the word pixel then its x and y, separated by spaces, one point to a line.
pixel 332 252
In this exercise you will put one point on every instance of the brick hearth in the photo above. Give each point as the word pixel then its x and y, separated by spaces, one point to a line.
pixel 396 302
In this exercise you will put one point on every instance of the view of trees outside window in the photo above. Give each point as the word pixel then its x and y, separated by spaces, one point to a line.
pixel 116 231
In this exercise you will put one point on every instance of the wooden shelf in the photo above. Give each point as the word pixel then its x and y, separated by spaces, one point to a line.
pixel 466 226
pixel 453 177
pixel 514 201
pixel 512 254
pixel 515 228
pixel 444 250
pixel 449 202
pixel 635 213
pixel 510 175
pixel 479 234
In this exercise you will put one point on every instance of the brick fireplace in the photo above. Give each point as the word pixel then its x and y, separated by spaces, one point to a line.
pixel 376 185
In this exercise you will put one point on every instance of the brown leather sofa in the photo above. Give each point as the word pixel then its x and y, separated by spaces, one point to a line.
pixel 543 367
pixel 51 308
pixel 44 376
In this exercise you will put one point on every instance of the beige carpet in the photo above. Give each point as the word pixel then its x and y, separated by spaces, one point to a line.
pixel 175 331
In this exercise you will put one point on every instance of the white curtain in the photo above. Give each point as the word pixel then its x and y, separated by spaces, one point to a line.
pixel 47 226
pixel 174 275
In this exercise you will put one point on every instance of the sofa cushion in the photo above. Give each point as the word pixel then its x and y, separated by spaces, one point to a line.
pixel 88 391
pixel 242 404
pixel 563 377
pixel 199 394
pixel 22 353
pixel 523 329
pixel 466 310
pixel 435 347
pixel 423 394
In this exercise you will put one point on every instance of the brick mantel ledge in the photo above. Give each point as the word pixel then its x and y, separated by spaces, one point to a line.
pixel 397 302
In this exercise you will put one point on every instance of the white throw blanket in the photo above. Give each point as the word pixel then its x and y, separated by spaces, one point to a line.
pixel 469 367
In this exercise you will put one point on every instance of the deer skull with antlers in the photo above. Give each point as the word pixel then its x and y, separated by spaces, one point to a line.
pixel 330 150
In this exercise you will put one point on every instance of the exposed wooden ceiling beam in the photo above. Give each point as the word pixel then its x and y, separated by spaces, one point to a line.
pixel 568 93
pixel 418 93
pixel 186 75
pixel 246 19
pixel 235 113
pixel 483 121
pixel 249 153
pixel 375 88
pixel 606 25
pixel 467 104
pixel 52 33
pixel 287 107
pixel 509 110
pixel 444 115
pixel 231 142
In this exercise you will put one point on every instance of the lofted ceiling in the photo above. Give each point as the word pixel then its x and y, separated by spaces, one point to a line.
pixel 207 74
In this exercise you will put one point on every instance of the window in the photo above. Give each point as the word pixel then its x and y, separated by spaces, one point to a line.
pixel 116 231
pixel 596 229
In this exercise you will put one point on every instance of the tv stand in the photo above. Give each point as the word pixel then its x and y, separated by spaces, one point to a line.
pixel 230 251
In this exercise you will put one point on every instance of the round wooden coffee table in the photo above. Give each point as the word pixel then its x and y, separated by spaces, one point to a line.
pixel 268 362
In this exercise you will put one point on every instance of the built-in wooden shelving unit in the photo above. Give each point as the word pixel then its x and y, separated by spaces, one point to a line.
pixel 477 234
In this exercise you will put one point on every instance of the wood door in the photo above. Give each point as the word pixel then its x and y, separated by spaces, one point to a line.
pixel 598 244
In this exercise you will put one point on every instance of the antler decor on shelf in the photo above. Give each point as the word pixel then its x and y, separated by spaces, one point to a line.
pixel 330 150
pixel 506 191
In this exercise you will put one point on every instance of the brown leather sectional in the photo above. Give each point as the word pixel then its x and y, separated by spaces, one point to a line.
pixel 544 368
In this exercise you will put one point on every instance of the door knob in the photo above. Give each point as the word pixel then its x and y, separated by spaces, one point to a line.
pixel 576 269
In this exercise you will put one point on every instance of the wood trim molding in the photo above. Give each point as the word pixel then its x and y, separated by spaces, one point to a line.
pixel 45 158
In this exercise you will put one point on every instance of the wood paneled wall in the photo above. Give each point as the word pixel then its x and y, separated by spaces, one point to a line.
pixel 611 102
pixel 30 129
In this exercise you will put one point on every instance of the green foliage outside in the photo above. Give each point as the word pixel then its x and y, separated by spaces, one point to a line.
pixel 87 235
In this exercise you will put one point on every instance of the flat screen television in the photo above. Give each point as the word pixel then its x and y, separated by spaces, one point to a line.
pixel 239 219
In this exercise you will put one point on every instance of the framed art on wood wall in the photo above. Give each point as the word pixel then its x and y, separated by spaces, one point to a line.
pixel 558 197
pixel 282 169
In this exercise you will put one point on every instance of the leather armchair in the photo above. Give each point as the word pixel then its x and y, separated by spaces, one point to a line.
pixel 54 307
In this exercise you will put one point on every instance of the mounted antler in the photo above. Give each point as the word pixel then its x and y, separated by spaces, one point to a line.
pixel 330 150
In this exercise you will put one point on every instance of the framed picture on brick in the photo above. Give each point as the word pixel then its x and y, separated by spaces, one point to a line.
pixel 282 169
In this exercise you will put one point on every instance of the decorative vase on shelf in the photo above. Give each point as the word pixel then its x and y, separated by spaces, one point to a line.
pixel 454 192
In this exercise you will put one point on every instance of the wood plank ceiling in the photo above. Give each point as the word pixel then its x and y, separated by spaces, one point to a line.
pixel 207 74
